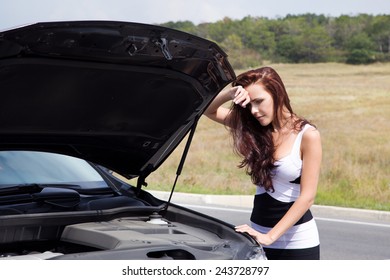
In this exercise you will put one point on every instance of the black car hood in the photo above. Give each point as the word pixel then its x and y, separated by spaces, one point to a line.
pixel 122 95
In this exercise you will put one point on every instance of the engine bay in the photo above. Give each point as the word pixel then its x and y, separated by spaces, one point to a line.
pixel 138 238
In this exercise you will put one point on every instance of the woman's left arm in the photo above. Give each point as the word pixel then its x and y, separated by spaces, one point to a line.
pixel 311 150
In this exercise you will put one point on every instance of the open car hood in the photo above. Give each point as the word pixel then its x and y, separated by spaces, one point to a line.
pixel 122 95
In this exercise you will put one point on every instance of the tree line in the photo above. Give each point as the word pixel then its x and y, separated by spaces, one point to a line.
pixel 306 38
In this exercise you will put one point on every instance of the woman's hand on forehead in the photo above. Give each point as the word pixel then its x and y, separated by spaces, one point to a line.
pixel 240 96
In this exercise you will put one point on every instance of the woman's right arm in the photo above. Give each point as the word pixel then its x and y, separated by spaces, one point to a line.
pixel 219 113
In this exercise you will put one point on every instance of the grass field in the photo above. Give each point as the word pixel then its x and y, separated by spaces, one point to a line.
pixel 350 105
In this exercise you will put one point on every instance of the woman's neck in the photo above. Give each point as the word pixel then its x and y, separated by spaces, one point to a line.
pixel 285 124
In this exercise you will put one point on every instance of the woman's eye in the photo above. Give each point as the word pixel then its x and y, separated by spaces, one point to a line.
pixel 257 101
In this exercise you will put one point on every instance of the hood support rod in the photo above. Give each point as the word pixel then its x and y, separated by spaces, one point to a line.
pixel 181 164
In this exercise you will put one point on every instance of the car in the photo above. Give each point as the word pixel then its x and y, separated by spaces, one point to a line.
pixel 86 108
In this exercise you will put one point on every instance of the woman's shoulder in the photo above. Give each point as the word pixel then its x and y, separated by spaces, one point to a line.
pixel 304 126
pixel 311 136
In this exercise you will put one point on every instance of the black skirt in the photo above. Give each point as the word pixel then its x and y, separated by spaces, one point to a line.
pixel 293 254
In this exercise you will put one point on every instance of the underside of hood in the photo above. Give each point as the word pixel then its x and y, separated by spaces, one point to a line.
pixel 119 94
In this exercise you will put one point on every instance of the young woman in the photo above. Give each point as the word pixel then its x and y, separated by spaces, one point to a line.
pixel 282 154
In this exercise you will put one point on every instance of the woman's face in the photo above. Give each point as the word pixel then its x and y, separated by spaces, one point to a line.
pixel 261 104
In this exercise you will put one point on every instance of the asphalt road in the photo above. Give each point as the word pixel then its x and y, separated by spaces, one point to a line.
pixel 345 234
pixel 341 238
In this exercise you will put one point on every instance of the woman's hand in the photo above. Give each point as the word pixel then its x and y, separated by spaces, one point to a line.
pixel 240 96
pixel 263 239
pixel 220 113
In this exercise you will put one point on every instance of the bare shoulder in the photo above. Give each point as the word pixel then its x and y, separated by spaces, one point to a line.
pixel 311 133
pixel 311 138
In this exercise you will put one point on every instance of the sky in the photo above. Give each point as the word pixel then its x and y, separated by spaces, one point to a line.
pixel 20 12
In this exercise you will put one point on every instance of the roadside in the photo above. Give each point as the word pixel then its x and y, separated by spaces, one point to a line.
pixel 245 202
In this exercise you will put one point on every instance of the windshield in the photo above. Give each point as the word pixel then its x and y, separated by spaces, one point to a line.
pixel 27 167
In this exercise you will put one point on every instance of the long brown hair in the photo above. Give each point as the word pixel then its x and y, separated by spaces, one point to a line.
pixel 252 141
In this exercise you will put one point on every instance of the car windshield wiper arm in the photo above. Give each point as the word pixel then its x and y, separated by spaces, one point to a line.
pixel 36 188
pixel 33 188
pixel 21 189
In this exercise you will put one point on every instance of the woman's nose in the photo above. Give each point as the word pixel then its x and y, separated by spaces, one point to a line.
pixel 254 109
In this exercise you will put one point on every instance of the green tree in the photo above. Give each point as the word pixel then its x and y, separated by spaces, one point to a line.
pixel 256 35
pixel 239 56
pixel 380 34
pixel 220 30
pixel 310 45
pixel 298 38
pixel 361 49
pixel 186 26
pixel 359 56
pixel 345 27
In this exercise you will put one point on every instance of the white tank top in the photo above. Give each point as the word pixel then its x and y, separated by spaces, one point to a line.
pixel 289 169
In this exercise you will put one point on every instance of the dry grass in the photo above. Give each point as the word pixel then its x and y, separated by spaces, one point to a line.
pixel 351 107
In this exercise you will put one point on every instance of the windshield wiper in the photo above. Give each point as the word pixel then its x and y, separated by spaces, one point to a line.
pixel 56 196
pixel 21 189
pixel 33 188
pixel 36 188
